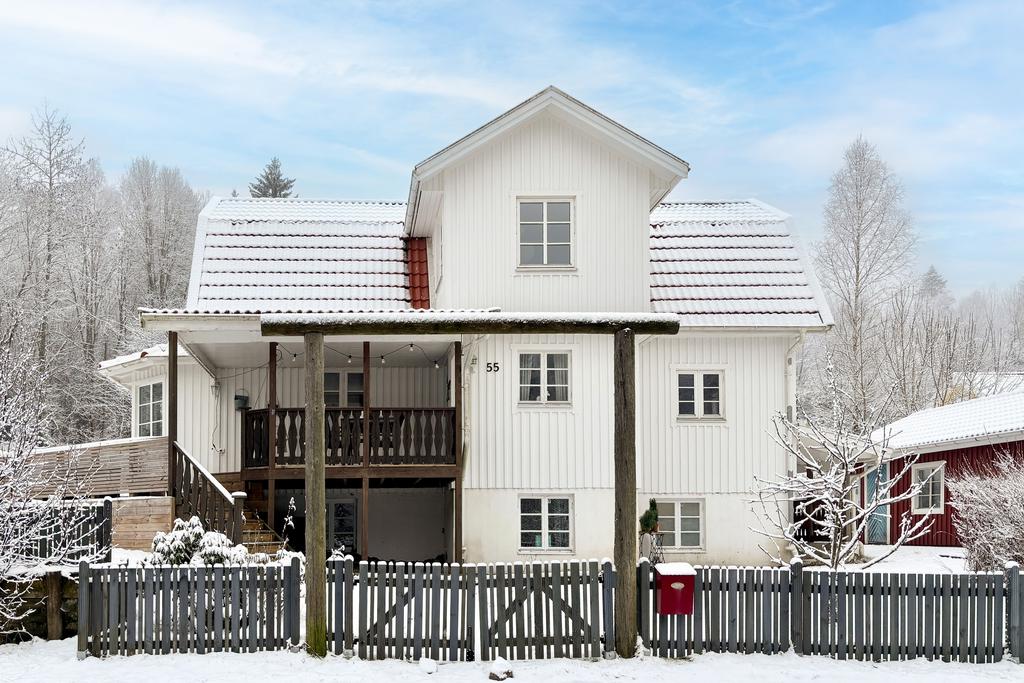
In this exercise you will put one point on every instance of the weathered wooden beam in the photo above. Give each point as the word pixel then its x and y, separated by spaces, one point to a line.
pixel 457 495
pixel 429 322
pixel 172 407
pixel 316 504
pixel 363 515
pixel 625 552
pixel 271 431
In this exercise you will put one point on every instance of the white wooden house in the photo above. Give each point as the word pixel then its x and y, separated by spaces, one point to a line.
pixel 494 446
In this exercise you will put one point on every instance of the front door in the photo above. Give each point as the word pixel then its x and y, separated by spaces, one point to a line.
pixel 341 531
pixel 878 523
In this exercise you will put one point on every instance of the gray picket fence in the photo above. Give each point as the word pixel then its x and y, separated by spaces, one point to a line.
pixel 970 617
pixel 381 610
pixel 164 609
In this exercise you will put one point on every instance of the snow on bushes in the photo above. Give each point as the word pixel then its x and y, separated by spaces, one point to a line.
pixel 989 506
pixel 188 543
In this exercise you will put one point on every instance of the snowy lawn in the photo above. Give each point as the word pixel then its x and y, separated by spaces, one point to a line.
pixel 55 661
pixel 922 559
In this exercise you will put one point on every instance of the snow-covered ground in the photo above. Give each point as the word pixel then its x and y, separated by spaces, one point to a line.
pixel 55 661
pixel 918 558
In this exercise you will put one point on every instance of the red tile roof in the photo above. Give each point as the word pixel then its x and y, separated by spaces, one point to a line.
pixel 419 281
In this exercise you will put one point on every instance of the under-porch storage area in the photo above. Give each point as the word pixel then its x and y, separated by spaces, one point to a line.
pixel 407 521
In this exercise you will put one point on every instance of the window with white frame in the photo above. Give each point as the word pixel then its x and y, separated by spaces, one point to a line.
pixel 343 389
pixel 930 498
pixel 149 413
pixel 699 394
pixel 544 377
pixel 681 523
pixel 545 233
pixel 545 522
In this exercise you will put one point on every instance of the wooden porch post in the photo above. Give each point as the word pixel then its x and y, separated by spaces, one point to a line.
pixel 457 495
pixel 625 493
pixel 316 511
pixel 364 507
pixel 172 409
pixel 271 432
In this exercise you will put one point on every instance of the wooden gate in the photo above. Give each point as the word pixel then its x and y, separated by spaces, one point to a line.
pixel 540 610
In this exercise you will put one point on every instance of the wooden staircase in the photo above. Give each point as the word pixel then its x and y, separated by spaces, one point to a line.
pixel 257 536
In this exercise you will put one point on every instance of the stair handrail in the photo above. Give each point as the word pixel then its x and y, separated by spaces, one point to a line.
pixel 203 496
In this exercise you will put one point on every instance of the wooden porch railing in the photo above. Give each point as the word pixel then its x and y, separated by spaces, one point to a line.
pixel 398 436
pixel 198 493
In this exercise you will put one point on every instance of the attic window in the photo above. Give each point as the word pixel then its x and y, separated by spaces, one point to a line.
pixel 545 233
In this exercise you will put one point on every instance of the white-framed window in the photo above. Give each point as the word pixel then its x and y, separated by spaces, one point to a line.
pixel 545 233
pixel 343 389
pixel 544 377
pixel 699 394
pixel 681 524
pixel 545 522
pixel 931 498
pixel 149 410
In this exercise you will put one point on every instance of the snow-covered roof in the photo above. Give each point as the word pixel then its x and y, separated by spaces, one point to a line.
pixel 989 419
pixel 731 264
pixel 272 255
pixel 158 351
pixel 714 264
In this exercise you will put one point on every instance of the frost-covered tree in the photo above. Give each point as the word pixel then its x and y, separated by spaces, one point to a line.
pixel 42 520
pixel 818 512
pixel 989 511
pixel 272 182
pixel 867 247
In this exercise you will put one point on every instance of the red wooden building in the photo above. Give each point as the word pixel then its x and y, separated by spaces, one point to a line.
pixel 948 440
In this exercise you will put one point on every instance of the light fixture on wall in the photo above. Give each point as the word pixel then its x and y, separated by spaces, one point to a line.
pixel 350 359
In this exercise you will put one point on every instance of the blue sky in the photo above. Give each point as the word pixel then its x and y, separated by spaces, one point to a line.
pixel 760 97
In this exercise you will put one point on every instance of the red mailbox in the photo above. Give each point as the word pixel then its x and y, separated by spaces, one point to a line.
pixel 675 582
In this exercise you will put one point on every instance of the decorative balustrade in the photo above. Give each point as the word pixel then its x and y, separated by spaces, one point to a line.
pixel 397 436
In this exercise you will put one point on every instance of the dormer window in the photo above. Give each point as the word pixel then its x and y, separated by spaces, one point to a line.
pixel 545 233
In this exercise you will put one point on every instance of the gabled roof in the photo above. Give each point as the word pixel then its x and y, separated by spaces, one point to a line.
pixel 990 419
pixel 666 164
pixel 286 254
pixel 714 264
pixel 731 264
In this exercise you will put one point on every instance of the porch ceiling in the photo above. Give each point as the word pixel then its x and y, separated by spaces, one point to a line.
pixel 336 352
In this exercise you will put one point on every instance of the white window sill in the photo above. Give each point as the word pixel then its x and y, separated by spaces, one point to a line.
pixel 546 270
pixel 545 551
pixel 924 512
pixel 542 406
pixel 690 419
pixel 680 550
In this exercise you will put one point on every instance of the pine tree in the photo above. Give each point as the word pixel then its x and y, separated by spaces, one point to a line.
pixel 234 193
pixel 272 183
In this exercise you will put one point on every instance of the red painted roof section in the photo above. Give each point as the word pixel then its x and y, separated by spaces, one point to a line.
pixel 419 281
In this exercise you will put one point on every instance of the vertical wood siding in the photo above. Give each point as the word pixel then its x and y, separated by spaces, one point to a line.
pixel 536 447
pixel 943 531
pixel 543 158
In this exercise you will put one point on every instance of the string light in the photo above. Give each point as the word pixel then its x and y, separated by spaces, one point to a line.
pixel 350 359
pixel 383 360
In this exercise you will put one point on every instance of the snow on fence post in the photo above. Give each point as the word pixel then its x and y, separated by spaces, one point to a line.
pixel 796 604
pixel 237 516
pixel 1014 609
pixel 83 610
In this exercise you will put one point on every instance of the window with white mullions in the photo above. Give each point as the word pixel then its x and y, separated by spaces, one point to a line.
pixel 931 497
pixel 681 523
pixel 545 233
pixel 699 394
pixel 150 410
pixel 343 389
pixel 544 377
pixel 545 523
